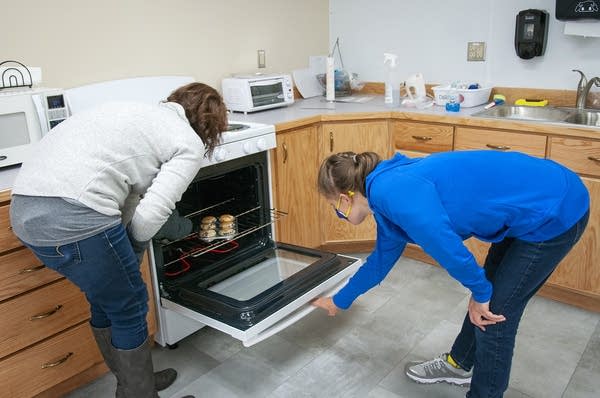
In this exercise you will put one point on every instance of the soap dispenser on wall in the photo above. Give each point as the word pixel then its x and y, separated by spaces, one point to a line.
pixel 531 33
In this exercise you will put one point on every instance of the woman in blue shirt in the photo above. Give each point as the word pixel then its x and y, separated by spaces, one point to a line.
pixel 532 211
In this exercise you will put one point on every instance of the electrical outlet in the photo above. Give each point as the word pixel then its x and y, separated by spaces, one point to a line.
pixel 262 63
pixel 476 51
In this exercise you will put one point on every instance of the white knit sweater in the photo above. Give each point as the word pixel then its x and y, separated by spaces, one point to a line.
pixel 109 156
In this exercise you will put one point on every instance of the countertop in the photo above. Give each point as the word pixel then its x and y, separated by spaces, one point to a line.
pixel 314 110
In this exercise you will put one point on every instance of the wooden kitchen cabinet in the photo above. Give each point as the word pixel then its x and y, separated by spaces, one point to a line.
pixel 356 136
pixel 577 278
pixel 501 140
pixel 295 168
pixel 46 344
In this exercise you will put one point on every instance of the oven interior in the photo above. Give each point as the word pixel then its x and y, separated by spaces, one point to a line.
pixel 238 187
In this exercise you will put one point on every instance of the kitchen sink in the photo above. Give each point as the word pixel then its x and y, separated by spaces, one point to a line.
pixel 543 114
pixel 588 118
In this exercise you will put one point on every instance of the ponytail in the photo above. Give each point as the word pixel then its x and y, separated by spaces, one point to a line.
pixel 346 171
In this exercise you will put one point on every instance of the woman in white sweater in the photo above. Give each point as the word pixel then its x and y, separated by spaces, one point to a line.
pixel 95 191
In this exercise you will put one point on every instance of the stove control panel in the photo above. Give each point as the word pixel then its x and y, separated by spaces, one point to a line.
pixel 237 149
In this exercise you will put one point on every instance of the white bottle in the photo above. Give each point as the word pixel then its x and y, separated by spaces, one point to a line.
pixel 392 82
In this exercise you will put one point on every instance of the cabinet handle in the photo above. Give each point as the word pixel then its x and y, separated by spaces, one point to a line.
pixel 58 362
pixel 422 137
pixel 32 269
pixel 46 314
pixel 498 147
pixel 594 158
pixel 285 153
pixel 331 141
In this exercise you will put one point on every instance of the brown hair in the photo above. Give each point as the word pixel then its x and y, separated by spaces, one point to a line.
pixel 346 171
pixel 205 110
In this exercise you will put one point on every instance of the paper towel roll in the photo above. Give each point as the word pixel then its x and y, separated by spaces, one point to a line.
pixel 330 80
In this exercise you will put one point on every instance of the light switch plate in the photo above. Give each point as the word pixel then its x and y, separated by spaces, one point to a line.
pixel 476 51
pixel 262 63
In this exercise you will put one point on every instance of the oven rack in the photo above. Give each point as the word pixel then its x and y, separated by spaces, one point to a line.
pixel 247 223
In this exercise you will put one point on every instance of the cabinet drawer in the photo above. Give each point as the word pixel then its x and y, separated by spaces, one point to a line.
pixel 581 156
pixel 44 365
pixel 471 138
pixel 32 317
pixel 422 137
pixel 8 240
pixel 21 271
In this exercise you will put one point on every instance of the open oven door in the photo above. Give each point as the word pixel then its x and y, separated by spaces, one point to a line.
pixel 262 294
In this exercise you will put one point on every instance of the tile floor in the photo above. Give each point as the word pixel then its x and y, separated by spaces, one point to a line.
pixel 414 314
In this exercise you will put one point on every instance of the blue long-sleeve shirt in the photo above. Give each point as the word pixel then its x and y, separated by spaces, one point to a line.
pixel 441 200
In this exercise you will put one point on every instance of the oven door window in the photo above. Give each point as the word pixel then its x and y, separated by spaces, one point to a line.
pixel 267 94
pixel 278 266
pixel 249 291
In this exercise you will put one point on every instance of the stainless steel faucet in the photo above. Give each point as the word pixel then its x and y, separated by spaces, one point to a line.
pixel 583 88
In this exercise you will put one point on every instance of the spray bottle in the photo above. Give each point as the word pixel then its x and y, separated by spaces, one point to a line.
pixel 392 82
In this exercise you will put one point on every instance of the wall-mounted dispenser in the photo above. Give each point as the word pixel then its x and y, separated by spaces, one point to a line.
pixel 531 33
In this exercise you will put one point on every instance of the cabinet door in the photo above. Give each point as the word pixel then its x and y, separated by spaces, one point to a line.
pixel 580 270
pixel 356 137
pixel 295 187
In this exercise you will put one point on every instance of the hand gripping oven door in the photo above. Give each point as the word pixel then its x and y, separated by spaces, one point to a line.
pixel 244 284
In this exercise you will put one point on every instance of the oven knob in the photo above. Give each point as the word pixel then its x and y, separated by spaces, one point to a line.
pixel 220 154
pixel 248 147
pixel 261 144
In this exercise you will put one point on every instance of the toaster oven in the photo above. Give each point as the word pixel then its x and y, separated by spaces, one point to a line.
pixel 251 93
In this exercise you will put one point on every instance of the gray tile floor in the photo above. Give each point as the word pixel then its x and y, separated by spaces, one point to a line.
pixel 414 314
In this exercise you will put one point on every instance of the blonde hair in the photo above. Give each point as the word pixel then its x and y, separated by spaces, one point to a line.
pixel 346 171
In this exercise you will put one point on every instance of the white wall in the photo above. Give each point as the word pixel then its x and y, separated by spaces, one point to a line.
pixel 78 42
pixel 431 37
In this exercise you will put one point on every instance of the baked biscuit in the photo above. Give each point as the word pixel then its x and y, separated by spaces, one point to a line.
pixel 226 218
pixel 226 232
pixel 209 220
pixel 209 233
pixel 226 225
pixel 206 227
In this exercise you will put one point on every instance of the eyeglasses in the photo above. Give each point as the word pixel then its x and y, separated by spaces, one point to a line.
pixel 338 212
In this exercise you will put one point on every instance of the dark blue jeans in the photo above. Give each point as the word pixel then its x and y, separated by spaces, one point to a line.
pixel 517 270
pixel 106 269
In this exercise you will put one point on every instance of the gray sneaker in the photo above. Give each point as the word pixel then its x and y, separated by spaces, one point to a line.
pixel 437 370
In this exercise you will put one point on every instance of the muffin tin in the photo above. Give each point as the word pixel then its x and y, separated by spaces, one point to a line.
pixel 222 227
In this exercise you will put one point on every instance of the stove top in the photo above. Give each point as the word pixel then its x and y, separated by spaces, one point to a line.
pixel 237 127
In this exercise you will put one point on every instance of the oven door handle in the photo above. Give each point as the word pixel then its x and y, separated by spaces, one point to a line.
pixel 292 318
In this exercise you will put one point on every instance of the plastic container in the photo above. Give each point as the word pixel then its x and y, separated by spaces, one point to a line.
pixel 392 80
pixel 465 97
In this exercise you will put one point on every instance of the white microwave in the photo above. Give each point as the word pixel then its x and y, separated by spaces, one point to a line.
pixel 26 115
pixel 251 93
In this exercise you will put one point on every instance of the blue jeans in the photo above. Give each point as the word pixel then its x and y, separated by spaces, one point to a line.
pixel 107 270
pixel 517 270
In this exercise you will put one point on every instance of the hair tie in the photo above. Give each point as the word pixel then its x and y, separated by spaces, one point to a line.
pixel 354 158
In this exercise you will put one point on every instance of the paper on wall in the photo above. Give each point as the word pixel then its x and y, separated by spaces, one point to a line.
pixel 306 83
pixel 317 64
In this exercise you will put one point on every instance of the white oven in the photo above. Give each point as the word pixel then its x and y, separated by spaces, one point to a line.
pixel 244 283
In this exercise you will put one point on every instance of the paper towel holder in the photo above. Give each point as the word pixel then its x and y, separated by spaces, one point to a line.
pixel 574 10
